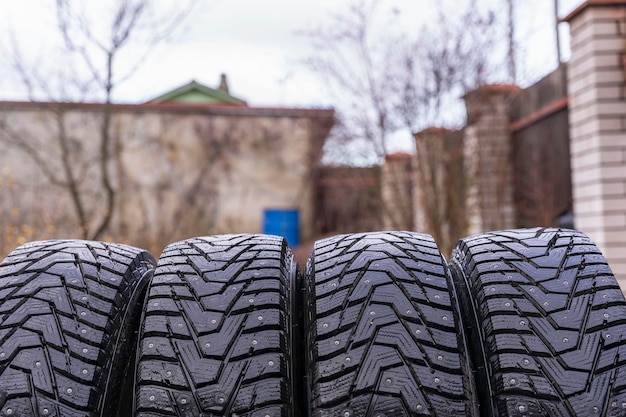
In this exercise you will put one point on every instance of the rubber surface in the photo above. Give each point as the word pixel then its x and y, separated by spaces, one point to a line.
pixel 217 330
pixel 66 324
pixel 383 338
pixel 549 328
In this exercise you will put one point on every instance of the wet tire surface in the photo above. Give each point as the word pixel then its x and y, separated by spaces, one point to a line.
pixel 216 334
pixel 549 321
pixel 383 336
pixel 520 323
pixel 66 323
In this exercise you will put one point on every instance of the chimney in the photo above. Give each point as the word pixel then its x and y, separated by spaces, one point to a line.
pixel 223 83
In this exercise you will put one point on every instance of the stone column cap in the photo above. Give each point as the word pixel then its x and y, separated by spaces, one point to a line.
pixel 493 89
pixel 434 130
pixel 398 157
pixel 591 3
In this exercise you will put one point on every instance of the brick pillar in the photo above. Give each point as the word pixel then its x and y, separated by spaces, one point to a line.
pixel 397 191
pixel 488 161
pixel 440 186
pixel 597 108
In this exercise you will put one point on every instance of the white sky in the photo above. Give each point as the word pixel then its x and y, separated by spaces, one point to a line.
pixel 254 42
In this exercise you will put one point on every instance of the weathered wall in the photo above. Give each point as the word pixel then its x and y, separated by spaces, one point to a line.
pixel 179 171
pixel 32 203
pixel 598 126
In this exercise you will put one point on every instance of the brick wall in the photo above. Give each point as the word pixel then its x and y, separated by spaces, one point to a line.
pixel 347 200
pixel 397 192
pixel 540 139
pixel 598 126
pixel 440 186
pixel 488 158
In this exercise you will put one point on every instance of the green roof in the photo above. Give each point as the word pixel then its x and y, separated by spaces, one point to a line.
pixel 196 93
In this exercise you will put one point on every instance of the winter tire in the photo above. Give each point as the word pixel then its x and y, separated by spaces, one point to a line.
pixel 549 324
pixel 66 325
pixel 216 337
pixel 383 334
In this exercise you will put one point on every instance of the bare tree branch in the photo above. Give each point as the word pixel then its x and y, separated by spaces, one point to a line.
pixel 91 63
pixel 389 80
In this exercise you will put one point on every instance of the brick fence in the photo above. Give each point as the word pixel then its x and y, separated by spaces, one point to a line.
pixel 597 108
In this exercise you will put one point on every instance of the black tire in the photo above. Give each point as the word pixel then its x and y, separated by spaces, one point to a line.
pixel 216 336
pixel 383 335
pixel 548 324
pixel 66 326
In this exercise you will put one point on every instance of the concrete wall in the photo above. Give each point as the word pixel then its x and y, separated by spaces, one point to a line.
pixel 179 171
pixel 598 126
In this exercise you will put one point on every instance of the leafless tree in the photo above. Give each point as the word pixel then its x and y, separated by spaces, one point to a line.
pixel 99 51
pixel 358 65
pixel 450 56
pixel 510 6
pixel 387 81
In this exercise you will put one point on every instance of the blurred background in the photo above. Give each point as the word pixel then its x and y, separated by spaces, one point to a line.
pixel 148 122
pixel 263 46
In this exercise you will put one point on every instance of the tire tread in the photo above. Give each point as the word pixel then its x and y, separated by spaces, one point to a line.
pixel 383 337
pixel 66 314
pixel 215 338
pixel 552 319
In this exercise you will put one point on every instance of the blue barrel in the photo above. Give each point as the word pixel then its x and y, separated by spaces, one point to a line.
pixel 285 223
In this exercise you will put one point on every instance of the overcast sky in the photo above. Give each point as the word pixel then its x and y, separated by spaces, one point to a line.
pixel 256 43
